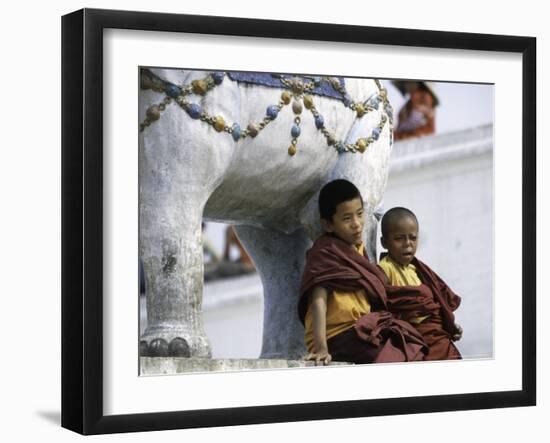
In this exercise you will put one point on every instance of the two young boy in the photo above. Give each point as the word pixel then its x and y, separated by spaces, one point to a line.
pixel 356 311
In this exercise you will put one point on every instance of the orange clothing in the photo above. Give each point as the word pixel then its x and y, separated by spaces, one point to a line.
pixel 417 117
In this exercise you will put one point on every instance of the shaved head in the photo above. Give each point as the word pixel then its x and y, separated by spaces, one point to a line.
pixel 394 215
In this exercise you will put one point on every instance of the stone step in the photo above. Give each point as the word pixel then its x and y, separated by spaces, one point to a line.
pixel 179 365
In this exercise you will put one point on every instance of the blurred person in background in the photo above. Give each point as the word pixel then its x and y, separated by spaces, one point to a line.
pixel 231 240
pixel 417 116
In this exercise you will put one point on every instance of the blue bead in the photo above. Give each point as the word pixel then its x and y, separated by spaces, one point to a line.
pixel 236 133
pixel 173 91
pixel 319 121
pixel 218 77
pixel 340 147
pixel 376 133
pixel 316 80
pixel 347 100
pixel 295 131
pixel 194 111
pixel 272 112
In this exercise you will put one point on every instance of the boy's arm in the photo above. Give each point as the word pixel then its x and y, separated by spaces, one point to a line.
pixel 319 312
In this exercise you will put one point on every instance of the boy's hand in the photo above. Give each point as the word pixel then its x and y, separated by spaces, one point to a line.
pixel 458 333
pixel 320 357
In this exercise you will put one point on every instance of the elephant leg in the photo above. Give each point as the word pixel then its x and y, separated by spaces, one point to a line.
pixel 171 250
pixel 280 260
pixel 371 229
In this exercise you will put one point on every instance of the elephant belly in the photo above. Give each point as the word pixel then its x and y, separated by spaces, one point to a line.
pixel 267 187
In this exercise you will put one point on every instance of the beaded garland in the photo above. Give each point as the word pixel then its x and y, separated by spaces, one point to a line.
pixel 297 91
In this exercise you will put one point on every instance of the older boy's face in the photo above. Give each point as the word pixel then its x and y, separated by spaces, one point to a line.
pixel 402 240
pixel 348 221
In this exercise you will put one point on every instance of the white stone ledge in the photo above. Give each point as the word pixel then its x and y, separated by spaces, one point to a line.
pixel 179 365
pixel 423 151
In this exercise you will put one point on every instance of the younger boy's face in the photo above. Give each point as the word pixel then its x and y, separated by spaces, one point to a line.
pixel 402 240
pixel 348 221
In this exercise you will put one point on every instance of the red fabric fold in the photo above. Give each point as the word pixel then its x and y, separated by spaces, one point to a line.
pixel 397 340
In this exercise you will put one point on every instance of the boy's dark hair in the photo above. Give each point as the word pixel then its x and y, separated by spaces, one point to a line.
pixel 394 214
pixel 334 193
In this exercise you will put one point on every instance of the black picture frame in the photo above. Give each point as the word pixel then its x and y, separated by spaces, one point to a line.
pixel 82 219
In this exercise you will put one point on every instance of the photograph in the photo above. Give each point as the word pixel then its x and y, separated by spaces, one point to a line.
pixel 315 206
pixel 294 220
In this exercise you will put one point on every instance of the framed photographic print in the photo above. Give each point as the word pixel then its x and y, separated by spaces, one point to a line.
pixel 175 123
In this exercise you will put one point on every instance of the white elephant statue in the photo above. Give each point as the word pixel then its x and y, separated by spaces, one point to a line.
pixel 254 156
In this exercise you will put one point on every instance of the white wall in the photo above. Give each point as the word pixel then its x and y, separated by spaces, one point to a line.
pixel 30 234
pixel 452 196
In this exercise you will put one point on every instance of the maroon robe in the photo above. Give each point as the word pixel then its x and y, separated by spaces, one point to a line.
pixel 434 299
pixel 376 337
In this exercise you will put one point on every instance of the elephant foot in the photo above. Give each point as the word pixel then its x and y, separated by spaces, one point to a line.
pixel 159 347
pixel 154 343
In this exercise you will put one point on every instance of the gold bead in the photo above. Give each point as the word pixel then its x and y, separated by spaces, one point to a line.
pixel 361 144
pixel 200 87
pixel 297 86
pixel 292 150
pixel 308 101
pixel 286 97
pixel 360 109
pixel 252 130
pixel 219 123
pixel 153 113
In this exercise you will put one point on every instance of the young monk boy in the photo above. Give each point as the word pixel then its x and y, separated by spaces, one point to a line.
pixel 342 296
pixel 415 292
